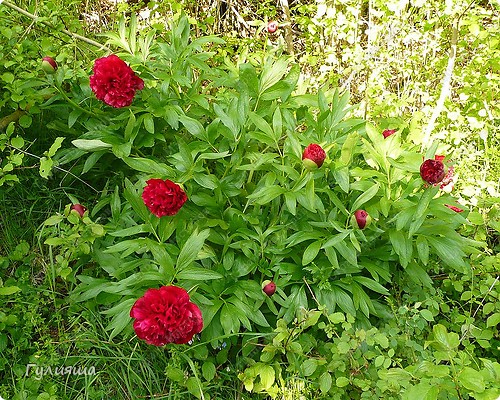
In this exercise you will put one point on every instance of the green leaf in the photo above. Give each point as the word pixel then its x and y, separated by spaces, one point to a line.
pixel 150 166
pixel 449 250
pixel 472 380
pixel 267 375
pixel 422 391
pixel 493 320
pixel 229 320
pixel 335 239
pixel 193 126
pixel 149 124
pixel 311 252
pixel 342 381
pixel 121 317
pixel 91 144
pixel 8 290
pixel 55 146
pixel 277 123
pixel 191 248
pixel 261 124
pixel 133 230
pixel 348 148
pixel 135 200
pixel 46 165
pixel 208 370
pixel 341 175
pixel 266 194
pixel 198 274
pixel 325 382
pixel 449 341
pixel 371 284
pixel 402 245
pixel 17 142
pixel 424 201
pixel 129 129
pixel 365 197
pixel 309 366
pixel 422 249
pixel 427 315
pixel 272 73
pixel 248 77
pixel 347 251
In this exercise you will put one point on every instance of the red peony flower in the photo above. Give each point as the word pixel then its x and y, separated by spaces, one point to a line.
pixel 272 26
pixel 432 171
pixel 163 197
pixel 456 209
pixel 114 82
pixel 388 132
pixel 313 156
pixel 166 315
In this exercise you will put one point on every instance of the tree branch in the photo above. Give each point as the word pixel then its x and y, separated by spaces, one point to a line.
pixel 5 121
pixel 65 31
pixel 288 27
pixel 445 88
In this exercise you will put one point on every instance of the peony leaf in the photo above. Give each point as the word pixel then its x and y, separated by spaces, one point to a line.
pixel 311 252
pixel 365 197
pixel 198 274
pixel 191 248
pixel 91 144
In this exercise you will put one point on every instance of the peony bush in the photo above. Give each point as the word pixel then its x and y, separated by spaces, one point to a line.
pixel 224 182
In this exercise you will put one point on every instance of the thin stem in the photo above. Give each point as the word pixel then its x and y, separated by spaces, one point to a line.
pixel 55 166
pixel 76 105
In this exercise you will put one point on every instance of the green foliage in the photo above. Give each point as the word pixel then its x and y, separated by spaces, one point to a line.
pixel 234 138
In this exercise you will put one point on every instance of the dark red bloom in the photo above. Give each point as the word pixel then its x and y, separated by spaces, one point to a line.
pixel 269 287
pixel 166 315
pixel 163 197
pixel 432 171
pixel 388 132
pixel 313 156
pixel 272 26
pixel 456 209
pixel 79 209
pixel 49 65
pixel 114 82
pixel 362 219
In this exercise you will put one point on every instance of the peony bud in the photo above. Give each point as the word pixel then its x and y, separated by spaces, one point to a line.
pixel 313 156
pixel 49 65
pixel 79 209
pixel 272 26
pixel 269 287
pixel 388 132
pixel 361 219
pixel 432 171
